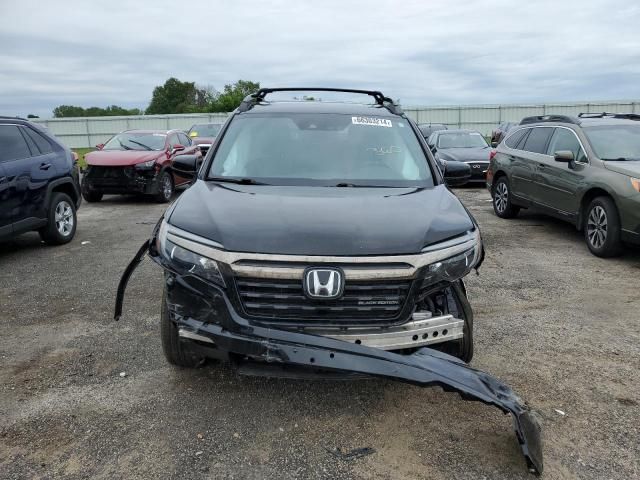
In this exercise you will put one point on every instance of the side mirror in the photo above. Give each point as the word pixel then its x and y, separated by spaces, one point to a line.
pixel 186 165
pixel 177 147
pixel 100 146
pixel 456 174
pixel 564 156
pixel 494 144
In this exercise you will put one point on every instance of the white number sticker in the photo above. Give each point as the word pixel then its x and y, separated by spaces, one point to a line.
pixel 371 121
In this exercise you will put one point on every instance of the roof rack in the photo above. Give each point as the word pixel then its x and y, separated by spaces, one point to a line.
pixel 626 116
pixel 251 100
pixel 549 118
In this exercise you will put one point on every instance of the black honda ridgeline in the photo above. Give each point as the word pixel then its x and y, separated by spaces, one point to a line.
pixel 321 238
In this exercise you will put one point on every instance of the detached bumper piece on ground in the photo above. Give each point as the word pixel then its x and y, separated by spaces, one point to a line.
pixel 230 335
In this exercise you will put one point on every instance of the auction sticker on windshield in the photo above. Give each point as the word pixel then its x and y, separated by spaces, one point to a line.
pixel 372 121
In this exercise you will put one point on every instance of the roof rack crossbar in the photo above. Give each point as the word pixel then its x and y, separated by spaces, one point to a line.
pixel 627 116
pixel 254 98
pixel 549 118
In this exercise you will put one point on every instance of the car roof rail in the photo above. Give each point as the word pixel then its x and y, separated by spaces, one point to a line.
pixel 624 116
pixel 549 118
pixel 253 99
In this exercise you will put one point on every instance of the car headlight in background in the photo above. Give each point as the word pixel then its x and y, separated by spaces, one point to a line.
pixel 148 164
pixel 635 183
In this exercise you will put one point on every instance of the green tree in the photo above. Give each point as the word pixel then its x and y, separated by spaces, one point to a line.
pixel 173 97
pixel 73 111
pixel 68 111
pixel 232 95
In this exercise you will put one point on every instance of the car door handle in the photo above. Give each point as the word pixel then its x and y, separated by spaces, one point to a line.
pixel 45 166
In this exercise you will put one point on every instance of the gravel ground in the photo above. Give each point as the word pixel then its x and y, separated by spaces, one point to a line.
pixel 556 323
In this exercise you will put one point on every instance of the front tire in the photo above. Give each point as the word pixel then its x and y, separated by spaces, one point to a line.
pixel 176 352
pixel 602 228
pixel 61 220
pixel 501 195
pixel 90 195
pixel 165 188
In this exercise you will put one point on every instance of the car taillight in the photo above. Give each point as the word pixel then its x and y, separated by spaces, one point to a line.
pixel 492 154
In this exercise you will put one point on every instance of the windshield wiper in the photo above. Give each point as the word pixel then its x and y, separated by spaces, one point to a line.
pixel 240 181
pixel 123 145
pixel 620 159
pixel 354 185
pixel 141 144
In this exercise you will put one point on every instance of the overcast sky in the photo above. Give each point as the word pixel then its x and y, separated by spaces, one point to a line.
pixel 92 52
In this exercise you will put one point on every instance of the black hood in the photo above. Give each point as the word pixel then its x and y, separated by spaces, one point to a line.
pixel 320 220
pixel 474 154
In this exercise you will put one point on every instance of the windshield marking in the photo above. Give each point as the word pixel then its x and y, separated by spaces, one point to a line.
pixel 371 121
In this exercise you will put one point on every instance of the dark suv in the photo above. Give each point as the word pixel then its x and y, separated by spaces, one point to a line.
pixel 321 239
pixel 39 183
pixel 585 170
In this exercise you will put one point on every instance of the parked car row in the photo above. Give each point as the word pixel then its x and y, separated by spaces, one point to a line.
pixel 40 187
pixel 585 170
pixel 142 161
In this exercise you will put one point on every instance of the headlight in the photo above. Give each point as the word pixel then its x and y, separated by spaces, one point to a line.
pixel 451 269
pixel 193 263
pixel 148 164
pixel 455 267
pixel 635 183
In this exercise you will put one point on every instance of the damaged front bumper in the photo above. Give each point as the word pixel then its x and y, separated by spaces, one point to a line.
pixel 234 335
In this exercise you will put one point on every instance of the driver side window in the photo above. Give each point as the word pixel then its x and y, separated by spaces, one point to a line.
pixel 565 139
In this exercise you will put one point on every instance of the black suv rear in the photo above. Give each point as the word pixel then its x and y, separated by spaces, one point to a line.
pixel 39 183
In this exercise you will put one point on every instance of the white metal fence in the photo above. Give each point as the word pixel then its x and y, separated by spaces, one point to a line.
pixel 87 132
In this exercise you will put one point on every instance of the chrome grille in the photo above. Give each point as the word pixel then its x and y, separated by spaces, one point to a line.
pixel 363 302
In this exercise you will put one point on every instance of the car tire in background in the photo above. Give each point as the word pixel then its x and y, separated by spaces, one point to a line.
pixel 165 188
pixel 501 196
pixel 602 228
pixel 61 220
pixel 175 352
pixel 90 195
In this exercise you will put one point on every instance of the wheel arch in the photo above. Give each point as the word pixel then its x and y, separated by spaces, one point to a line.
pixel 587 198
pixel 499 174
pixel 64 185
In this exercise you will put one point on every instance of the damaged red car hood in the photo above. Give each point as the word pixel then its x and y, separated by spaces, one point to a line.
pixel 121 158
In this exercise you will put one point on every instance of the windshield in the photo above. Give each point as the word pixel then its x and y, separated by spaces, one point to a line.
pixel 205 130
pixel 615 142
pixel 461 140
pixel 136 141
pixel 322 149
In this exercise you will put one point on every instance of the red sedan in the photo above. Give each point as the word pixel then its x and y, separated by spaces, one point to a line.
pixel 137 161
